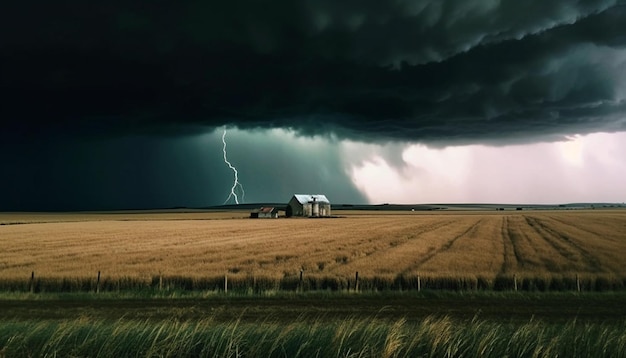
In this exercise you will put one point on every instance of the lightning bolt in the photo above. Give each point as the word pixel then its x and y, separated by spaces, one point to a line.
pixel 236 183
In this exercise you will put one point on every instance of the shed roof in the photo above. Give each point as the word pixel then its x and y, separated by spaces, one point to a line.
pixel 305 198
pixel 265 209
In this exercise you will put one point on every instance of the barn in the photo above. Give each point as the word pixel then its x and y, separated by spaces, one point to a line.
pixel 308 206
pixel 265 213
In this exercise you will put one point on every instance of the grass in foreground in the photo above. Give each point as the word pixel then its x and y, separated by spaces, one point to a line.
pixel 353 337
pixel 313 324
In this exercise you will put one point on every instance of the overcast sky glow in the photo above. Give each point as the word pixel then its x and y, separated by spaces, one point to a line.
pixel 589 168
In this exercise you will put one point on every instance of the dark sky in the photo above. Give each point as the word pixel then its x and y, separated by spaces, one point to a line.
pixel 120 104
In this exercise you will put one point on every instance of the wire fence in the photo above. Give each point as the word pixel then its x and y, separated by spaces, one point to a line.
pixel 243 283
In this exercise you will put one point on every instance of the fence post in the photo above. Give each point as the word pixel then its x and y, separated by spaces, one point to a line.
pixel 515 282
pixel 356 282
pixel 160 282
pixel 577 283
pixel 98 283
pixel 300 285
pixel 419 283
pixel 32 282
pixel 225 283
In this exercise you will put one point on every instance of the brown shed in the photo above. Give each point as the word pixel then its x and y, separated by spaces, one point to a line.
pixel 265 213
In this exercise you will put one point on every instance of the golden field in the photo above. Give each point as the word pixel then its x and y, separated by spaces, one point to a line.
pixel 382 244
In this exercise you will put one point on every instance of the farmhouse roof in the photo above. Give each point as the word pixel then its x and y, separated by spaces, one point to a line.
pixel 266 210
pixel 305 198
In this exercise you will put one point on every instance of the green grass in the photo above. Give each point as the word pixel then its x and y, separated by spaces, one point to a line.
pixel 353 337
pixel 309 324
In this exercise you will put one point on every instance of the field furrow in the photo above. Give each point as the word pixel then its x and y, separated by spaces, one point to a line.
pixel 603 241
pixel 608 226
pixel 437 251
pixel 475 251
pixel 511 254
pixel 576 258
pixel 533 253
pixel 404 247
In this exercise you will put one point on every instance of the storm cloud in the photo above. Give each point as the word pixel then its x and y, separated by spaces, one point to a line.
pixel 121 104
pixel 431 71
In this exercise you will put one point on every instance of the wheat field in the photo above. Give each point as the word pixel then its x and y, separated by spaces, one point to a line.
pixel 380 245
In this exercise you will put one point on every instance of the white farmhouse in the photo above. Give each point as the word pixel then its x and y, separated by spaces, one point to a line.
pixel 308 206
